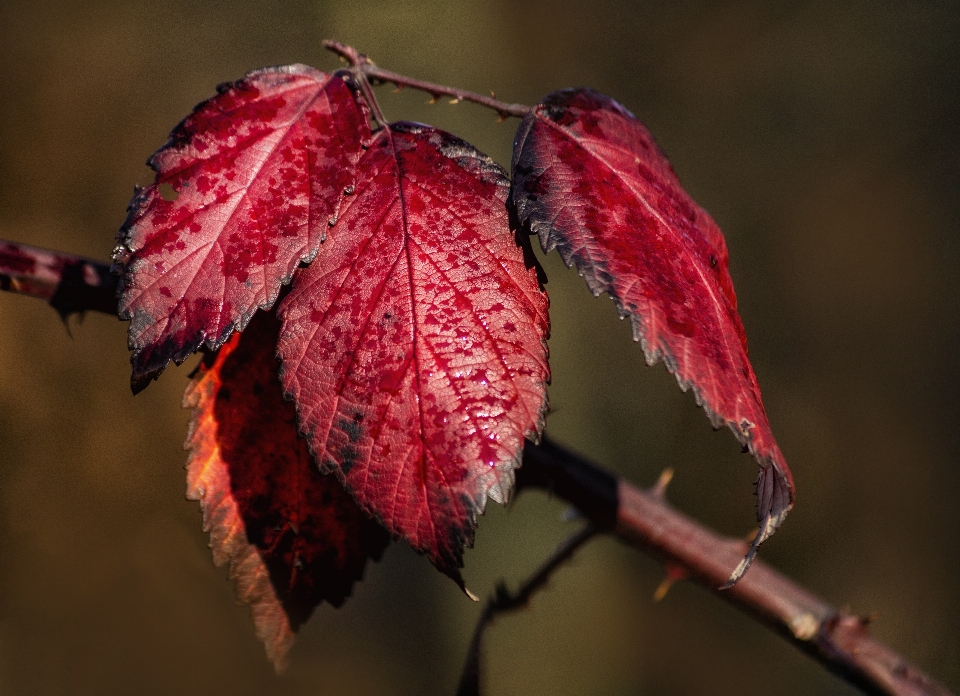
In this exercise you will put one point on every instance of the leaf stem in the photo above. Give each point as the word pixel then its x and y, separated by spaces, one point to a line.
pixel 361 64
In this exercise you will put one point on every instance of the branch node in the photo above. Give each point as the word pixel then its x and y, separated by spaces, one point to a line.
pixel 804 626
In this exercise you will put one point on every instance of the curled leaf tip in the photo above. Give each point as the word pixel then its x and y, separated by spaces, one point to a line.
pixel 591 182
pixel 775 500
pixel 767 528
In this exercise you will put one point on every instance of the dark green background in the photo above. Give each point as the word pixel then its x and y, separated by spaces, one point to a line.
pixel 823 136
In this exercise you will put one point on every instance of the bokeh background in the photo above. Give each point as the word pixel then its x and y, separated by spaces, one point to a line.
pixel 823 136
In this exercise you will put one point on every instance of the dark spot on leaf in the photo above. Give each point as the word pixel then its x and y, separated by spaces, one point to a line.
pixel 389 412
pixel 554 112
pixel 348 458
pixel 646 237
pixel 352 428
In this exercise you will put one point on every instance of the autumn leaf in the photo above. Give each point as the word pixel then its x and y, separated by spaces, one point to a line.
pixel 592 183
pixel 414 345
pixel 255 175
pixel 291 536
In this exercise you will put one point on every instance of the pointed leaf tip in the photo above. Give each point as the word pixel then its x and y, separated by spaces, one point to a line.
pixel 591 182
pixel 414 346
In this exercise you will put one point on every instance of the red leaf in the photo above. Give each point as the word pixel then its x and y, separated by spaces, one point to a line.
pixel 592 183
pixel 292 536
pixel 414 346
pixel 258 171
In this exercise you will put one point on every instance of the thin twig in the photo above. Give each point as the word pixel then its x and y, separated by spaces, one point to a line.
pixel 360 63
pixel 504 601
pixel 838 640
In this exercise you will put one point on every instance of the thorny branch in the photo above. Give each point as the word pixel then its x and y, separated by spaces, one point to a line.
pixel 359 62
pixel 838 640
pixel 67 283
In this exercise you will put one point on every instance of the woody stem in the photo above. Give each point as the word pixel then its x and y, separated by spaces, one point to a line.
pixel 838 640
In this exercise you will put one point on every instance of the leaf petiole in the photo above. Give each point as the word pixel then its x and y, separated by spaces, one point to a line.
pixel 362 67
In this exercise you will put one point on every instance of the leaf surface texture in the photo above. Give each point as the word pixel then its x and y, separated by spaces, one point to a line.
pixel 415 345
pixel 591 182
pixel 244 192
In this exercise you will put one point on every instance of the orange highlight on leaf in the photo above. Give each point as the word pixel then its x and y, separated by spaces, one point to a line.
pixel 292 537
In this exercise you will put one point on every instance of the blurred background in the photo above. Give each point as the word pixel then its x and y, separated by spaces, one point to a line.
pixel 822 136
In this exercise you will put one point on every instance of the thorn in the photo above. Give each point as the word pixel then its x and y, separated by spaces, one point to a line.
pixel 342 59
pixel 471 595
pixel 663 588
pixel 501 118
pixel 659 489
pixel 65 318
pixel 433 99
pixel 493 94
pixel 397 89
pixel 675 573
pixel 455 100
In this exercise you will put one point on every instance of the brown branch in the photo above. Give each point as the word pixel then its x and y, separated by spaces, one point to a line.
pixel 359 62
pixel 67 283
pixel 837 640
